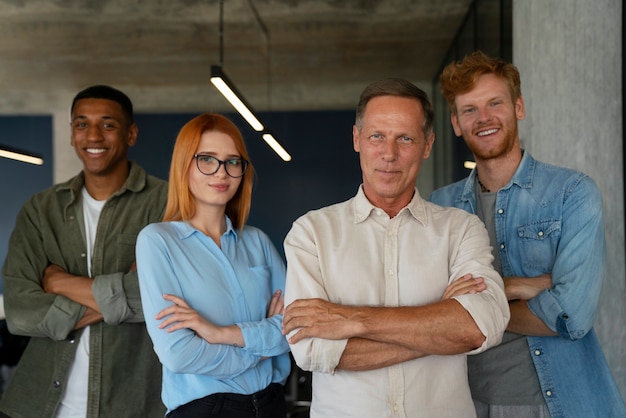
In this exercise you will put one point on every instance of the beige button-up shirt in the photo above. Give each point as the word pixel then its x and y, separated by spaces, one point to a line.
pixel 352 253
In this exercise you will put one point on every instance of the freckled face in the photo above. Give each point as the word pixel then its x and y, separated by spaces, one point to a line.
pixel 486 118
pixel 217 189
pixel 101 135
pixel 391 146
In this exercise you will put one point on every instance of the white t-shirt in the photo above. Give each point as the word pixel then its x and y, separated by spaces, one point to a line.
pixel 74 401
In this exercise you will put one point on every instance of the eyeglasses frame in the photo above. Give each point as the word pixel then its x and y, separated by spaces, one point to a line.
pixel 221 163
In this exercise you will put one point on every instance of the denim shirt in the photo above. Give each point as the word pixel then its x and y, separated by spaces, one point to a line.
pixel 548 220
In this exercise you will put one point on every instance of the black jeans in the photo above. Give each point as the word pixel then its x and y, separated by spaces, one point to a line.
pixel 267 403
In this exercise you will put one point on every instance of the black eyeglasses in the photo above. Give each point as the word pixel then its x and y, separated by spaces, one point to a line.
pixel 208 165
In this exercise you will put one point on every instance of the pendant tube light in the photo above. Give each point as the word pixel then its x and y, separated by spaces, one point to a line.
pixel 17 155
pixel 278 149
pixel 230 92
pixel 236 99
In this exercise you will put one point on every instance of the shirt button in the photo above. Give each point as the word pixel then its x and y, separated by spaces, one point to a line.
pixel 502 246
pixel 56 384
pixel 500 211
pixel 541 233
pixel 537 352
pixel 83 255
pixel 548 393
pixel 71 217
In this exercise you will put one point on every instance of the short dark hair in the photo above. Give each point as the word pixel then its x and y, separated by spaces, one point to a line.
pixel 108 93
pixel 396 87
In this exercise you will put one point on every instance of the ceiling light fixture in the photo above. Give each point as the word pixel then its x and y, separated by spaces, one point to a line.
pixel 230 92
pixel 278 149
pixel 236 99
pixel 14 154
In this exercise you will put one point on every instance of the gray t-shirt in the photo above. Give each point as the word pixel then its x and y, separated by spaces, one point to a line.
pixel 504 374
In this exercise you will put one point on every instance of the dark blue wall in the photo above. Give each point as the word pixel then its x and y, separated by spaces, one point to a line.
pixel 18 180
pixel 324 168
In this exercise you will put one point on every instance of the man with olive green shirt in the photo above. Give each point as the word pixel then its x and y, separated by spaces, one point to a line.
pixel 70 281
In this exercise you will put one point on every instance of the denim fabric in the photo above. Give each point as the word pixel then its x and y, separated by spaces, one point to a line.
pixel 549 220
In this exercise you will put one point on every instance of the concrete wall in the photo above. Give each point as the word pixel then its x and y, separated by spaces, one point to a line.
pixel 569 53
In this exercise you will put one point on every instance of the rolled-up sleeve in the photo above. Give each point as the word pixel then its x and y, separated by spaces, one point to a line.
pixel 489 309
pixel 304 281
pixel 570 306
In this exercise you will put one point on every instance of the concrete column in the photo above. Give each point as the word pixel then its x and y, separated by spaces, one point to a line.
pixel 569 53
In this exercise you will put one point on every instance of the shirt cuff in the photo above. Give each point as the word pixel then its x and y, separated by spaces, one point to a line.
pixel 108 290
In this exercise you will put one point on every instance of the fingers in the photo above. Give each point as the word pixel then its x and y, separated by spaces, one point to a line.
pixel 466 284
pixel 179 306
pixel 176 300
pixel 277 304
pixel 292 315
pixel 172 311
pixel 304 313
pixel 298 336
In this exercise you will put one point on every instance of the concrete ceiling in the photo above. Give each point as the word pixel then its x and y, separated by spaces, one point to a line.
pixel 281 54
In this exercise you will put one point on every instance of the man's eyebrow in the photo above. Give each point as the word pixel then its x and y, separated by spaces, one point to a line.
pixel 104 117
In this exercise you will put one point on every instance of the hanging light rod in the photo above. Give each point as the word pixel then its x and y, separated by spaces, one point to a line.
pixel 230 92
pixel 15 154
pixel 278 149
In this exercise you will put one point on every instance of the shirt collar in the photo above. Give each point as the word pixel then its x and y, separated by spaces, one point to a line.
pixel 186 230
pixel 525 173
pixel 135 182
pixel 523 176
pixel 363 208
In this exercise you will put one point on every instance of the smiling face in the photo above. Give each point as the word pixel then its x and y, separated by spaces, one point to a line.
pixel 101 135
pixel 214 191
pixel 391 146
pixel 486 117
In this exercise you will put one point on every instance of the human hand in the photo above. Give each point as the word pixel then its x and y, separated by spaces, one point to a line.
pixel 277 304
pixel 525 288
pixel 320 318
pixel 56 281
pixel 467 284
pixel 52 275
pixel 181 316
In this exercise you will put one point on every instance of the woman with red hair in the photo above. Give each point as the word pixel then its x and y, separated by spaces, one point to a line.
pixel 211 286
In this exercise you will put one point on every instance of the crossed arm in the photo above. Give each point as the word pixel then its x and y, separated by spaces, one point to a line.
pixel 381 336
pixel 77 288
pixel 518 291
pixel 180 316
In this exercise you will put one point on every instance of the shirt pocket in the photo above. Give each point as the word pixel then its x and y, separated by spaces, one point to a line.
pixel 538 243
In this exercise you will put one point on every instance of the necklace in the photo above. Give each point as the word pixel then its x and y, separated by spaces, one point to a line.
pixel 482 186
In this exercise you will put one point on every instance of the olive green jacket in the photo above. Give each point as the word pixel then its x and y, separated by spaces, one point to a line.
pixel 124 372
